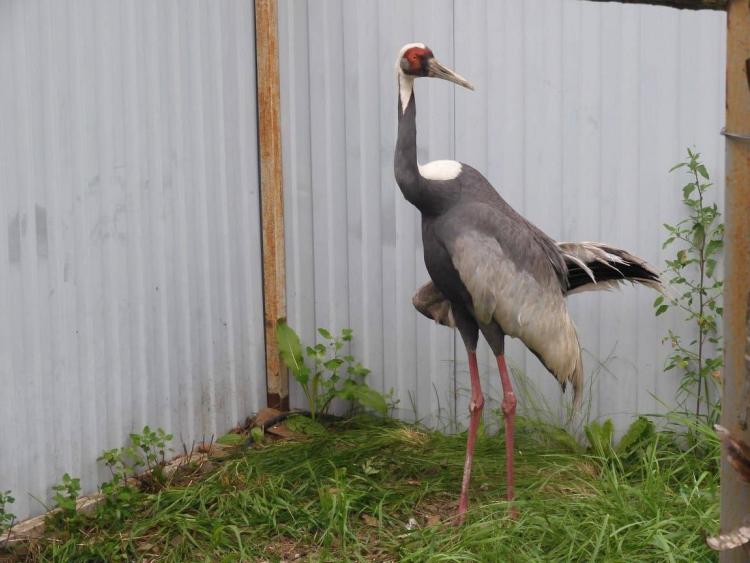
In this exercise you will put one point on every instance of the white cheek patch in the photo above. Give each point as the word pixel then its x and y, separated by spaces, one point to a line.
pixel 440 170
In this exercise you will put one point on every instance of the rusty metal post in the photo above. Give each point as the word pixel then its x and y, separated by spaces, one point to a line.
pixel 735 495
pixel 271 196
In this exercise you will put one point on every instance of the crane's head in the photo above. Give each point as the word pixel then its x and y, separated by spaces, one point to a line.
pixel 416 60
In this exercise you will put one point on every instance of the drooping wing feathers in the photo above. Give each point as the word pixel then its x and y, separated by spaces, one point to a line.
pixel 429 301
pixel 596 266
pixel 525 304
pixel 591 266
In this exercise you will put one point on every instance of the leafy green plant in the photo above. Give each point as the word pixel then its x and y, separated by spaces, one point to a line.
pixel 232 439
pixel 600 437
pixel 698 239
pixel 149 449
pixel 66 515
pixel 324 373
pixel 137 466
pixel 631 447
pixel 639 435
pixel 143 459
pixel 7 518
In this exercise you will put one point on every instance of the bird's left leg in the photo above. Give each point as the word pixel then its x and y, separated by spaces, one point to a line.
pixel 509 413
pixel 470 334
pixel 475 409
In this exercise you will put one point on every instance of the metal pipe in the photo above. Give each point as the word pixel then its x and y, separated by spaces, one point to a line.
pixel 735 495
pixel 271 197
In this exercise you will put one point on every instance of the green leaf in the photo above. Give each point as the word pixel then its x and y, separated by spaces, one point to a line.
pixel 346 334
pixel 661 309
pixel 232 439
pixel 600 437
pixel 364 395
pixel 290 351
pixel 640 432
pixel 325 334
pixel 710 266
pixel 678 165
pixel 714 246
pixel 698 235
pixel 305 425
pixel 687 190
pixel 702 171
pixel 658 301
pixel 333 364
pixel 256 433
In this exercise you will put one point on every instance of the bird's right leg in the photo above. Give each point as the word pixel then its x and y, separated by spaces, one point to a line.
pixel 475 409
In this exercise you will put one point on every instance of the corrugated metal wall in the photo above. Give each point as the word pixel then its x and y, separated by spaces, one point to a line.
pixel 130 276
pixel 580 110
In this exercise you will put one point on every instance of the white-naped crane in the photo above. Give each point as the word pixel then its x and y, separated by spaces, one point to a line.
pixel 491 270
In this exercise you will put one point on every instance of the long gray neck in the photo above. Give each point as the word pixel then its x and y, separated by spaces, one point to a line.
pixel 405 160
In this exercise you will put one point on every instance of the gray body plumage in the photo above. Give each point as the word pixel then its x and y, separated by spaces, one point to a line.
pixel 495 272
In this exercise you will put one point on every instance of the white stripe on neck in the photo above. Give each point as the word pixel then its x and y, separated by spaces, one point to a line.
pixel 405 87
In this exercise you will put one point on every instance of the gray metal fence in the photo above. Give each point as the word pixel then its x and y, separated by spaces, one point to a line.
pixel 130 278
pixel 580 110
pixel 130 264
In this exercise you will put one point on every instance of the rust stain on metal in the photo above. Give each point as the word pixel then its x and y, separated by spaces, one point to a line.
pixel 271 195
pixel 735 495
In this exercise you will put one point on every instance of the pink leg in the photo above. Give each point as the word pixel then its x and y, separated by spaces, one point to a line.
pixel 475 408
pixel 509 412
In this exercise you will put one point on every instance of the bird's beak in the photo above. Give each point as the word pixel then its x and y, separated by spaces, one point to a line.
pixel 437 70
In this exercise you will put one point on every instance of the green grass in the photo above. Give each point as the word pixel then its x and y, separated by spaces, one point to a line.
pixel 349 494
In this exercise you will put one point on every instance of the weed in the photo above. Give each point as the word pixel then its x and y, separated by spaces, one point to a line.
pixel 123 492
pixel 698 291
pixel 66 516
pixel 382 490
pixel 7 518
pixel 323 382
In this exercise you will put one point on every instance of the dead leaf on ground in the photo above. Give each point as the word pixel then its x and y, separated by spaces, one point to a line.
pixel 370 520
pixel 264 415
pixel 433 520
pixel 287 549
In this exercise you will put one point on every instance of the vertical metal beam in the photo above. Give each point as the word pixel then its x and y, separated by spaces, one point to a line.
pixel 735 495
pixel 271 196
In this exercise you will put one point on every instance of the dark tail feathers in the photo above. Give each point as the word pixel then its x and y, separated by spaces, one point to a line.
pixel 595 266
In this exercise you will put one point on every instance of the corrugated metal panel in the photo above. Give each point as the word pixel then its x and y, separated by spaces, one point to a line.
pixel 130 286
pixel 580 110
